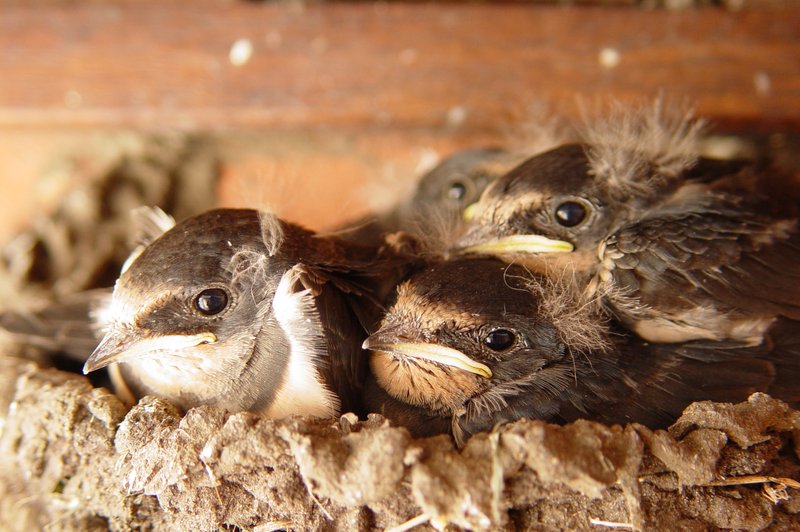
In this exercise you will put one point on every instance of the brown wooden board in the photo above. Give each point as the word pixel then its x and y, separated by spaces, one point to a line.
pixel 154 65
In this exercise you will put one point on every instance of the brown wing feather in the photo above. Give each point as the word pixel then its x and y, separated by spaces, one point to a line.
pixel 724 258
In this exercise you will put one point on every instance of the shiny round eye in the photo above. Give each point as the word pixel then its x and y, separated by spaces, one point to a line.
pixel 499 339
pixel 570 213
pixel 456 191
pixel 211 301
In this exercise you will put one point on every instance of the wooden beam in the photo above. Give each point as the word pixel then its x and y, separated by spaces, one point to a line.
pixel 153 65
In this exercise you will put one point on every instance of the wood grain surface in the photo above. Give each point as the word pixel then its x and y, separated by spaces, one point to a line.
pixel 153 65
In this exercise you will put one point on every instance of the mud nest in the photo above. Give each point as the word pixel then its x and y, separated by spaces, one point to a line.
pixel 74 458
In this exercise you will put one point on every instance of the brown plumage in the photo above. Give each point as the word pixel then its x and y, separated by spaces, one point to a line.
pixel 439 198
pixel 680 247
pixel 475 342
pixel 245 311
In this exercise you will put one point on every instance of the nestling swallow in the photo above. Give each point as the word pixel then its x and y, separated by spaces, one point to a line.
pixel 440 196
pixel 460 179
pixel 242 310
pixel 472 343
pixel 680 247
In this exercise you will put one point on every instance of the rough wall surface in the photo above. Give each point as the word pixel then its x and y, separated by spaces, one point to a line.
pixel 73 458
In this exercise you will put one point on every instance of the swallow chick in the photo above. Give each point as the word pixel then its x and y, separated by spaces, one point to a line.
pixel 681 247
pixel 440 196
pixel 472 343
pixel 242 310
pixel 460 179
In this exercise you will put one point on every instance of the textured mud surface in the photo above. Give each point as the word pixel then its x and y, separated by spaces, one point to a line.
pixel 74 458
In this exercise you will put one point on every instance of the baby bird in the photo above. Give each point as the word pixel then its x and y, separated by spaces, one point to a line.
pixel 471 343
pixel 242 310
pixel 439 197
pixel 680 247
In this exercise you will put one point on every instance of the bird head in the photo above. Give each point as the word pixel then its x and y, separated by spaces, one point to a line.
pixel 187 313
pixel 460 179
pixel 468 331
pixel 550 203
pixel 574 196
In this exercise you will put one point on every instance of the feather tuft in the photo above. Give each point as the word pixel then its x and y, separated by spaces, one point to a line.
pixel 579 319
pixel 271 232
pixel 636 149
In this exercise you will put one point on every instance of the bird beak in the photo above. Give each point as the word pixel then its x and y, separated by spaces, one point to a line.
pixel 119 347
pixel 520 244
pixel 433 352
pixel 470 212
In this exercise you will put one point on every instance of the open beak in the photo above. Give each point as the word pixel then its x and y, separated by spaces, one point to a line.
pixel 520 244
pixel 433 352
pixel 119 347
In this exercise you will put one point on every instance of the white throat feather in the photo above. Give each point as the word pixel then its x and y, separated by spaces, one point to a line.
pixel 302 390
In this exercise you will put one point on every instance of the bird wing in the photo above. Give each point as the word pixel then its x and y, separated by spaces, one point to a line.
pixel 149 223
pixel 652 383
pixel 723 259
pixel 338 305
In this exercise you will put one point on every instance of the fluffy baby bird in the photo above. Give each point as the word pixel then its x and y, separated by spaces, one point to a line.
pixel 440 196
pixel 471 343
pixel 239 309
pixel 681 247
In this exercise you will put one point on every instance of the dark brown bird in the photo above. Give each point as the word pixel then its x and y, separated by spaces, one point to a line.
pixel 459 180
pixel 678 247
pixel 439 197
pixel 471 343
pixel 242 310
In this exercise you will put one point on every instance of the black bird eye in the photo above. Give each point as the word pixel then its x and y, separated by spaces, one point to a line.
pixel 499 339
pixel 456 191
pixel 570 213
pixel 211 301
